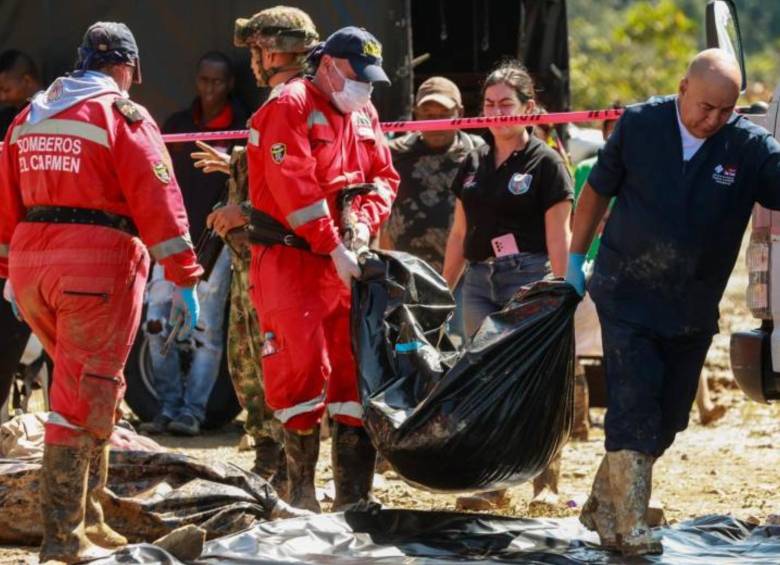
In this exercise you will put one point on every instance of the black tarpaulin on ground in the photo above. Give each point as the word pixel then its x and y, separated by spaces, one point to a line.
pixel 153 494
pixel 423 538
pixel 493 415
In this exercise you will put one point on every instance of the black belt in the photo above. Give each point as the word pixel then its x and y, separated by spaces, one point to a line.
pixel 67 215
pixel 266 230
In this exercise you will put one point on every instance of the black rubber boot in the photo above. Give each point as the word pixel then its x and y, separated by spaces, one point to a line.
pixel 63 492
pixel 302 450
pixel 354 458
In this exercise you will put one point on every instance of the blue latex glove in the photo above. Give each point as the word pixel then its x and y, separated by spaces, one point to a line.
pixel 185 307
pixel 574 273
pixel 8 294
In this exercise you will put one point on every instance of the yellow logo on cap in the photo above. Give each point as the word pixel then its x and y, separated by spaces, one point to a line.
pixel 373 49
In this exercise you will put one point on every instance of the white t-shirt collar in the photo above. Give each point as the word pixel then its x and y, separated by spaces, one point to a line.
pixel 690 143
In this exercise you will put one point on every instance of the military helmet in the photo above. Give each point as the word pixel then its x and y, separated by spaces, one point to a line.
pixel 282 29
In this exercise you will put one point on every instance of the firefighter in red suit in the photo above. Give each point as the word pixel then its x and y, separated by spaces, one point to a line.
pixel 314 137
pixel 85 179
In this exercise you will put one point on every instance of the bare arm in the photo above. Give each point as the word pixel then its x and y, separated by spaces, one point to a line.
pixel 558 235
pixel 453 254
pixel 591 208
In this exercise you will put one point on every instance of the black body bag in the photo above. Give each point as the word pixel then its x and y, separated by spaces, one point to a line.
pixel 490 416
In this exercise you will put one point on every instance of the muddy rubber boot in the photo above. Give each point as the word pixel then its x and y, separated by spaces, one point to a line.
pixel 580 427
pixel 354 459
pixel 302 448
pixel 280 480
pixel 631 478
pixel 268 454
pixel 546 486
pixel 598 512
pixel 63 491
pixel 97 530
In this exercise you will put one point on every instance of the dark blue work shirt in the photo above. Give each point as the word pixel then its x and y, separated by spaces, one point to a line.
pixel 675 231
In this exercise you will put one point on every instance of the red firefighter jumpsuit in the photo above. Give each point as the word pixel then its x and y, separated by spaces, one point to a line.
pixel 302 151
pixel 80 287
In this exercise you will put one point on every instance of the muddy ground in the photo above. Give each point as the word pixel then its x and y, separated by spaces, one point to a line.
pixel 730 467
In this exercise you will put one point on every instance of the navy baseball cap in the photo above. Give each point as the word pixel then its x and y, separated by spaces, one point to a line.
pixel 361 49
pixel 109 42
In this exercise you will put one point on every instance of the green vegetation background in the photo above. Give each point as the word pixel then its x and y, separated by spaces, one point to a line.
pixel 629 50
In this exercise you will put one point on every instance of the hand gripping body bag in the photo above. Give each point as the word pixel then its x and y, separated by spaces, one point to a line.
pixel 492 415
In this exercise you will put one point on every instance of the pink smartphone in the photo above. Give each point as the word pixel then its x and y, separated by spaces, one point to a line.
pixel 504 245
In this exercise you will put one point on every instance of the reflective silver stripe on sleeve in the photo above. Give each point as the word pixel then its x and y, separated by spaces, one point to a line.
pixel 352 409
pixel 316 118
pixel 254 137
pixel 171 247
pixel 286 414
pixel 312 212
pixel 75 128
pixel 4 249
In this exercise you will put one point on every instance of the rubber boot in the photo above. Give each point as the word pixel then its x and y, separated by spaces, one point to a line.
pixel 598 512
pixel 631 478
pixel 268 455
pixel 546 486
pixel 280 480
pixel 97 530
pixel 354 459
pixel 302 448
pixel 63 492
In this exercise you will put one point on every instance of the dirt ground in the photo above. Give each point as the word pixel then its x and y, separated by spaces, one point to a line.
pixel 727 468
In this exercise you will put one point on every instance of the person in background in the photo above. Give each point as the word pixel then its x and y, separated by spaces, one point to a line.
pixel 19 80
pixel 427 163
pixel 511 225
pixel 183 399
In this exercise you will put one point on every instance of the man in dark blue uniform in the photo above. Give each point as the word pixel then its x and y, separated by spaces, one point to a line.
pixel 687 172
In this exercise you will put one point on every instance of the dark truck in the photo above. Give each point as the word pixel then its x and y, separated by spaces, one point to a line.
pixel 755 354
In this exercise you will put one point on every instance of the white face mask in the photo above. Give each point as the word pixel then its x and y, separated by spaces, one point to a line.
pixel 353 95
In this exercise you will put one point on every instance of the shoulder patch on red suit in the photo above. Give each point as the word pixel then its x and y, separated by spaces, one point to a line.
pixel 129 110
pixel 161 171
pixel 278 151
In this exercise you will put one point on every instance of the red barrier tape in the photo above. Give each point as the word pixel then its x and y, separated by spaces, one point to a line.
pixel 430 125
pixel 433 125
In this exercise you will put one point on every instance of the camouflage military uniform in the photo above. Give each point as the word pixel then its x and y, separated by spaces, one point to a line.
pixel 422 213
pixel 244 337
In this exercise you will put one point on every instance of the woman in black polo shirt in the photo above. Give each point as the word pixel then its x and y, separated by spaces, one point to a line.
pixel 511 225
